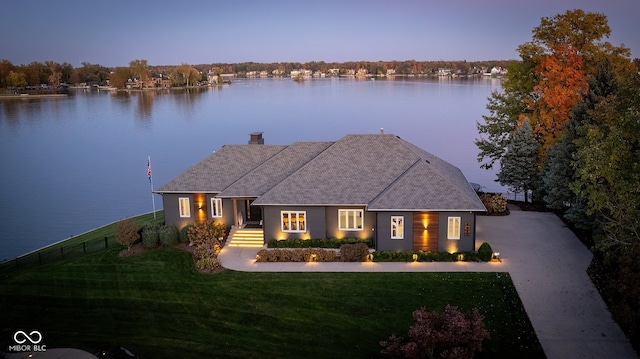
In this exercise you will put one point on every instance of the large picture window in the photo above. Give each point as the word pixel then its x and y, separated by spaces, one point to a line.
pixel 350 219
pixel 453 228
pixel 293 221
pixel 216 207
pixel 185 207
pixel 397 227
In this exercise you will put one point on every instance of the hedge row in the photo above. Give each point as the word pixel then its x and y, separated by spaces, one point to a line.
pixel 317 243
pixel 483 254
pixel 154 234
pixel 296 255
pixel 359 252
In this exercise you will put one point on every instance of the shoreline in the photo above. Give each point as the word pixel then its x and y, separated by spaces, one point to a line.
pixel 29 96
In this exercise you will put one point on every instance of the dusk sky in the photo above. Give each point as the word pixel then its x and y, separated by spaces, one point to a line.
pixel 112 33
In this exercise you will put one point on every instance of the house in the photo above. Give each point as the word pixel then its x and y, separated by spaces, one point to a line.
pixel 375 186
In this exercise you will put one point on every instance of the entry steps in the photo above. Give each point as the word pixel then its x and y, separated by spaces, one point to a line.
pixel 246 238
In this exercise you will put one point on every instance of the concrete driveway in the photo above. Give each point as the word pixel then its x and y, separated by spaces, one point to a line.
pixel 548 266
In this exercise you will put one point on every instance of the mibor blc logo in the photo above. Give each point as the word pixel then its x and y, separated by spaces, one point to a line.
pixel 27 342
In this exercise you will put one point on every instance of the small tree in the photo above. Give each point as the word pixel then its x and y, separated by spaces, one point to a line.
pixel 126 232
pixel 451 334
pixel 519 166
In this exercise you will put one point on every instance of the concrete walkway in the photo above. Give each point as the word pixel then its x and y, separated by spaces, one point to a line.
pixel 547 264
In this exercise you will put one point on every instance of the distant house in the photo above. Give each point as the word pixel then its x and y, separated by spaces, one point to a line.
pixel 160 80
pixel 366 186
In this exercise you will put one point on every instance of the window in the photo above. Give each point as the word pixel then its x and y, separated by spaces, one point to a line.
pixel 216 207
pixel 185 208
pixel 397 227
pixel 293 221
pixel 453 228
pixel 350 219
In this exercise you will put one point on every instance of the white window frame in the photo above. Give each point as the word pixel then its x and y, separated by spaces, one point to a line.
pixel 216 207
pixel 397 227
pixel 184 205
pixel 353 215
pixel 290 217
pixel 453 227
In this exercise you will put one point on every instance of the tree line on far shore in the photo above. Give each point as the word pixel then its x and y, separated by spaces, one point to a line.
pixel 53 74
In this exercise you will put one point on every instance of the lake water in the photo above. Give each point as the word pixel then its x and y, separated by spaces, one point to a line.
pixel 69 165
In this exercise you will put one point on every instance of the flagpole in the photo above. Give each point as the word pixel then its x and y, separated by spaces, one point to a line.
pixel 153 200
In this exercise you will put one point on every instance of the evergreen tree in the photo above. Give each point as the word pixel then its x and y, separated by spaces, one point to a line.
pixel 519 166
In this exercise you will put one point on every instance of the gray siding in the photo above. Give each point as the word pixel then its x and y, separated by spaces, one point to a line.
pixel 383 232
pixel 172 209
pixel 367 231
pixel 466 242
pixel 315 223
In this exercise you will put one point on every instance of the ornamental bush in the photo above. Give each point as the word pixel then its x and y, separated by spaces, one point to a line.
pixel 494 202
pixel 200 232
pixel 485 252
pixel 316 242
pixel 150 237
pixel 206 255
pixel 356 252
pixel 126 232
pixel 184 237
pixel 296 255
pixel 168 235
pixel 451 334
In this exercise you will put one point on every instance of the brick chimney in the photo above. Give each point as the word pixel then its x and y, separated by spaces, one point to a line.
pixel 256 139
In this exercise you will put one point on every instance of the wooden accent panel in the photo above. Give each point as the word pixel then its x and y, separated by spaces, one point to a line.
pixel 200 206
pixel 425 239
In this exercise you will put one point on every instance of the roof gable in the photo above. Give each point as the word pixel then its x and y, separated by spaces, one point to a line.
pixel 354 170
pixel 221 169
pixel 425 188
pixel 274 170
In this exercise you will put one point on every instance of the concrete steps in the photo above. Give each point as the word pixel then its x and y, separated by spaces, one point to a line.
pixel 246 238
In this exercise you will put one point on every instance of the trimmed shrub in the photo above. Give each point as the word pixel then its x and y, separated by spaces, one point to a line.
pixel 316 242
pixel 494 202
pixel 206 255
pixel 168 235
pixel 184 237
pixel 407 256
pixel 296 255
pixel 126 232
pixel 354 252
pixel 200 232
pixel 485 252
pixel 150 238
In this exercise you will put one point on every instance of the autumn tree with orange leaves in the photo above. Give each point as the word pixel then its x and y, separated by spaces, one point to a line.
pixel 544 87
pixel 562 84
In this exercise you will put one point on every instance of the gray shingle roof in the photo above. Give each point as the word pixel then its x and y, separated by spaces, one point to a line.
pixel 274 170
pixel 221 169
pixel 382 172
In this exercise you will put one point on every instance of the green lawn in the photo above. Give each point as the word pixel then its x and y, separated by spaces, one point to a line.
pixel 158 306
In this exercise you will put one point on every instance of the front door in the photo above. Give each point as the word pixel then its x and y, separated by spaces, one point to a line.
pixel 254 213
